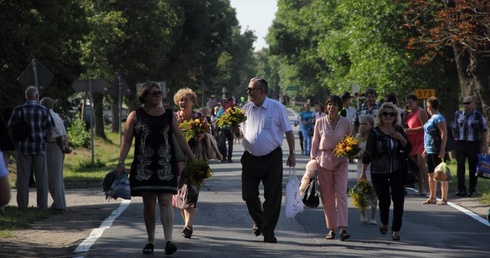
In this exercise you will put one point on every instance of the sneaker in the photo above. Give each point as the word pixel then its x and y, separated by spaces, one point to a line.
pixel 471 194
pixel 373 222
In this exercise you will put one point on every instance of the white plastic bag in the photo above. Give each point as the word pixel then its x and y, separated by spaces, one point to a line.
pixel 294 204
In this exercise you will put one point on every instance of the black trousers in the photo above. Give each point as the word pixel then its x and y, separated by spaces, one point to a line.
pixel 390 186
pixel 467 150
pixel 268 170
pixel 300 136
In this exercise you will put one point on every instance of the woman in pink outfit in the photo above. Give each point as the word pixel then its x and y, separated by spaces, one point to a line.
pixel 332 171
pixel 415 120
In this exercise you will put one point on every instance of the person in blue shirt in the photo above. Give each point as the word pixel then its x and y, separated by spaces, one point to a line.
pixel 435 124
pixel 306 119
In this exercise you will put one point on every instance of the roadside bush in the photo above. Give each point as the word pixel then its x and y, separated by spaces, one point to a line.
pixel 77 134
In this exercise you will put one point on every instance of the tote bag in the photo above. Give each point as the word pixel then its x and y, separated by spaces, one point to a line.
pixel 294 204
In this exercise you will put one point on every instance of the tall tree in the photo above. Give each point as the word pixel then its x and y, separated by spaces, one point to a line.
pixel 463 27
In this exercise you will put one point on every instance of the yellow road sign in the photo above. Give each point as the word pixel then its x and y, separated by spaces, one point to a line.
pixel 425 93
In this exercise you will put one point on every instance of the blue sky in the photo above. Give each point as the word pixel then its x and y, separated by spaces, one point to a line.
pixel 256 15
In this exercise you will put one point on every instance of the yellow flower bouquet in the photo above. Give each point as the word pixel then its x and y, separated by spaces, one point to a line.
pixel 347 147
pixel 363 195
pixel 193 128
pixel 197 170
pixel 233 116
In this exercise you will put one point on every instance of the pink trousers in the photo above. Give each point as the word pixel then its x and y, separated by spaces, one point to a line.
pixel 333 191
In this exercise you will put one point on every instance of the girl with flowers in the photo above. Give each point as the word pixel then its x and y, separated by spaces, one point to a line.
pixel 365 126
pixel 332 169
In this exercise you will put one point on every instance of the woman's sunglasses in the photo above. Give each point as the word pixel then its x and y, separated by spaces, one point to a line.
pixel 155 93
pixel 388 114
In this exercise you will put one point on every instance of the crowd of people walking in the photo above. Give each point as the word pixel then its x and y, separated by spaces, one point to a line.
pixel 388 135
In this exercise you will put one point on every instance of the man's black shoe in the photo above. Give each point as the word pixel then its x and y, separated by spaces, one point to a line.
pixel 256 230
pixel 461 194
pixel 270 239
pixel 471 194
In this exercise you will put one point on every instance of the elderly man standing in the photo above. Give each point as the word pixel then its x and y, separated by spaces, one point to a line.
pixel 370 107
pixel 263 134
pixel 470 134
pixel 31 151
pixel 55 155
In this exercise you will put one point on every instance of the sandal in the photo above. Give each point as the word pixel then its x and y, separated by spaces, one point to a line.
pixel 148 249
pixel 442 202
pixel 395 236
pixel 187 232
pixel 344 235
pixel 331 235
pixel 383 229
pixel 430 201
pixel 170 248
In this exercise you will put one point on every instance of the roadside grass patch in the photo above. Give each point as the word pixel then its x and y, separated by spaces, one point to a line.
pixel 14 219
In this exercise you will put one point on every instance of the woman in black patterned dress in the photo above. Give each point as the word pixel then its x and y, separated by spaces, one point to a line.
pixel 154 170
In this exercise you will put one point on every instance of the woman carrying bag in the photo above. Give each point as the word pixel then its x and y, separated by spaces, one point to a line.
pixel 386 148
pixel 434 155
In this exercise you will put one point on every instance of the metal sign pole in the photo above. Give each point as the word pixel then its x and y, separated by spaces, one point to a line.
pixel 34 69
pixel 91 118
pixel 120 107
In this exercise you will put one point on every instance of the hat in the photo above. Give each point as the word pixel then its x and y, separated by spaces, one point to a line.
pixel 346 95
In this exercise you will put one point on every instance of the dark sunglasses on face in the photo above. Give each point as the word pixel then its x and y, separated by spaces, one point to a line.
pixel 251 89
pixel 155 93
pixel 388 114
pixel 467 103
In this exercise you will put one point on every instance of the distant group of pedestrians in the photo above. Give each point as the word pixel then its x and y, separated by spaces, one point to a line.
pixel 40 152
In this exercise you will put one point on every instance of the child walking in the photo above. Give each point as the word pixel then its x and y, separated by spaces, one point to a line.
pixel 366 124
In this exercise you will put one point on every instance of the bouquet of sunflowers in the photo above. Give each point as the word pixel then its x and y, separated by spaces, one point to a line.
pixel 347 147
pixel 197 170
pixel 233 116
pixel 362 194
pixel 193 128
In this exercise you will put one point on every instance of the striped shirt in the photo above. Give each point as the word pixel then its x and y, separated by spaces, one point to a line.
pixel 468 127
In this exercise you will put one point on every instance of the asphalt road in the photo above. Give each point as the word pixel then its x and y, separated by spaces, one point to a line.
pixel 223 227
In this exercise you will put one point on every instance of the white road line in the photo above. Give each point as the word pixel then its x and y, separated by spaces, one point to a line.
pixel 97 232
pixel 469 213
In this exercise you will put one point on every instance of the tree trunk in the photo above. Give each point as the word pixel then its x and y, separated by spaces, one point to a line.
pixel 479 69
pixel 99 116
pixel 461 59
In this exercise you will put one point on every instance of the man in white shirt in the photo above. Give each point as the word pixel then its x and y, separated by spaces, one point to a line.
pixel 347 111
pixel 55 155
pixel 263 134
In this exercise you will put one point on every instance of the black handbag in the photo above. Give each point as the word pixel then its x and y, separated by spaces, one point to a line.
pixel 436 140
pixel 413 171
pixel 311 196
